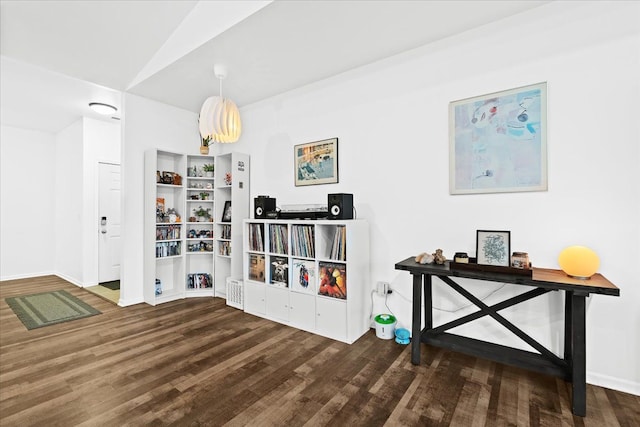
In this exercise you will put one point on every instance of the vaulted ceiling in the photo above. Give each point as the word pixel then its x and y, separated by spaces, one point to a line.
pixel 57 56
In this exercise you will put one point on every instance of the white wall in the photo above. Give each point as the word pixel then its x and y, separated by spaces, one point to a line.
pixel 147 124
pixel 391 119
pixel 68 203
pixel 27 183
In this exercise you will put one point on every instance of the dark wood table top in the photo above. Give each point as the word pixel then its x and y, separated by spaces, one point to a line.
pixel 541 277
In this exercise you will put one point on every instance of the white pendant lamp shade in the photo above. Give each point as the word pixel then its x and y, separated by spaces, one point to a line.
pixel 220 119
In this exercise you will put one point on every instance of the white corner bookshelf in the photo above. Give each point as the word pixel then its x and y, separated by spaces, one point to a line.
pixel 181 250
pixel 231 190
pixel 312 275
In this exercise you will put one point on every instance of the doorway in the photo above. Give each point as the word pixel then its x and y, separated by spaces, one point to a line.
pixel 109 226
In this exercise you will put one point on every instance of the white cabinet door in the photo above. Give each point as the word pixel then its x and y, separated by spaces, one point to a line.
pixel 254 298
pixel 302 310
pixel 331 319
pixel 278 303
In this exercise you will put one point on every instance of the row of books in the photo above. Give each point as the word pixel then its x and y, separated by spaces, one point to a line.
pixel 224 248
pixel 199 281
pixel 303 241
pixel 278 238
pixel 168 232
pixel 256 241
pixel 330 280
pixel 339 244
pixel 165 249
pixel 226 232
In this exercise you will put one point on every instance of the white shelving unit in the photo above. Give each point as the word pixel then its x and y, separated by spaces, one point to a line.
pixel 231 188
pixel 199 238
pixel 181 254
pixel 164 267
pixel 312 275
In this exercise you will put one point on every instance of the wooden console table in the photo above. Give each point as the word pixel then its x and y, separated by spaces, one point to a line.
pixel 572 367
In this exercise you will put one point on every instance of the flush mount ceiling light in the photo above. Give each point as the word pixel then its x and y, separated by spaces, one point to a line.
pixel 101 108
pixel 219 117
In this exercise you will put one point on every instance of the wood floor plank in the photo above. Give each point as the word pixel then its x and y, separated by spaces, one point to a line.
pixel 199 362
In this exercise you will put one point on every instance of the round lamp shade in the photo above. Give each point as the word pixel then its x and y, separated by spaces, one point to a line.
pixel 579 262
pixel 220 119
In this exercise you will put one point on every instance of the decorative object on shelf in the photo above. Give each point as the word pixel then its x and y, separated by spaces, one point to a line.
pixel 227 178
pixel 579 262
pixel 226 213
pixel 208 169
pixel 204 145
pixel 424 258
pixel 204 196
pixel 461 257
pixel 158 287
pixel 177 179
pixel 219 117
pixel 498 143
pixel 520 260
pixel 316 162
pixel 203 215
pixel 493 247
pixel 438 257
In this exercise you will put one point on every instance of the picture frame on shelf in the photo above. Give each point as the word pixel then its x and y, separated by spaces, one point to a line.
pixel 498 142
pixel 226 212
pixel 493 247
pixel 316 162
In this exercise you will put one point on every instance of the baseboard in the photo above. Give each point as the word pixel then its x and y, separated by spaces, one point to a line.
pixel 126 303
pixel 613 383
pixel 70 280
pixel 27 276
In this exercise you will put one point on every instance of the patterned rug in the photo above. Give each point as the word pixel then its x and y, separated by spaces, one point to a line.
pixel 49 308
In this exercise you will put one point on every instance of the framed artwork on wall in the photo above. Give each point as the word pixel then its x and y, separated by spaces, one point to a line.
pixel 316 162
pixel 493 247
pixel 498 142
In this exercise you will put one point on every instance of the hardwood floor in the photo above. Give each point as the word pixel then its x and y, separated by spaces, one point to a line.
pixel 197 362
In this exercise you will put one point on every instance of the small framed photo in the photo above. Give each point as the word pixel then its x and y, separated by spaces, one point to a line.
pixel 493 247
pixel 226 213
pixel 316 162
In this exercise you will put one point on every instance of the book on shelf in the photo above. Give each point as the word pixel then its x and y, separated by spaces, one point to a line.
pixel 256 241
pixel 339 244
pixel 332 280
pixel 166 249
pixel 224 248
pixel 278 238
pixel 199 281
pixel 256 267
pixel 303 278
pixel 279 269
pixel 226 232
pixel 303 241
pixel 168 232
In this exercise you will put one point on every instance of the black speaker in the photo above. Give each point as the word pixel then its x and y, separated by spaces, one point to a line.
pixel 340 206
pixel 262 205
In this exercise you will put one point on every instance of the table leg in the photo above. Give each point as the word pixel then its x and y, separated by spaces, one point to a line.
pixel 568 334
pixel 415 319
pixel 578 365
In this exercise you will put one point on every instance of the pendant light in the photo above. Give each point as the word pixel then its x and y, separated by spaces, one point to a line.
pixel 219 117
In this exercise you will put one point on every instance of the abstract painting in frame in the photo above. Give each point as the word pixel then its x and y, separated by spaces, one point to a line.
pixel 316 162
pixel 498 142
pixel 493 247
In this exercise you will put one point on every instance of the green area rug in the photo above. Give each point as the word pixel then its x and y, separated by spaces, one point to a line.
pixel 49 308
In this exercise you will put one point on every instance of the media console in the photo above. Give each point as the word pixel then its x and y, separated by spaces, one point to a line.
pixel 571 367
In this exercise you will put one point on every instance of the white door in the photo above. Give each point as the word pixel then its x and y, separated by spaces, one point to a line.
pixel 109 222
